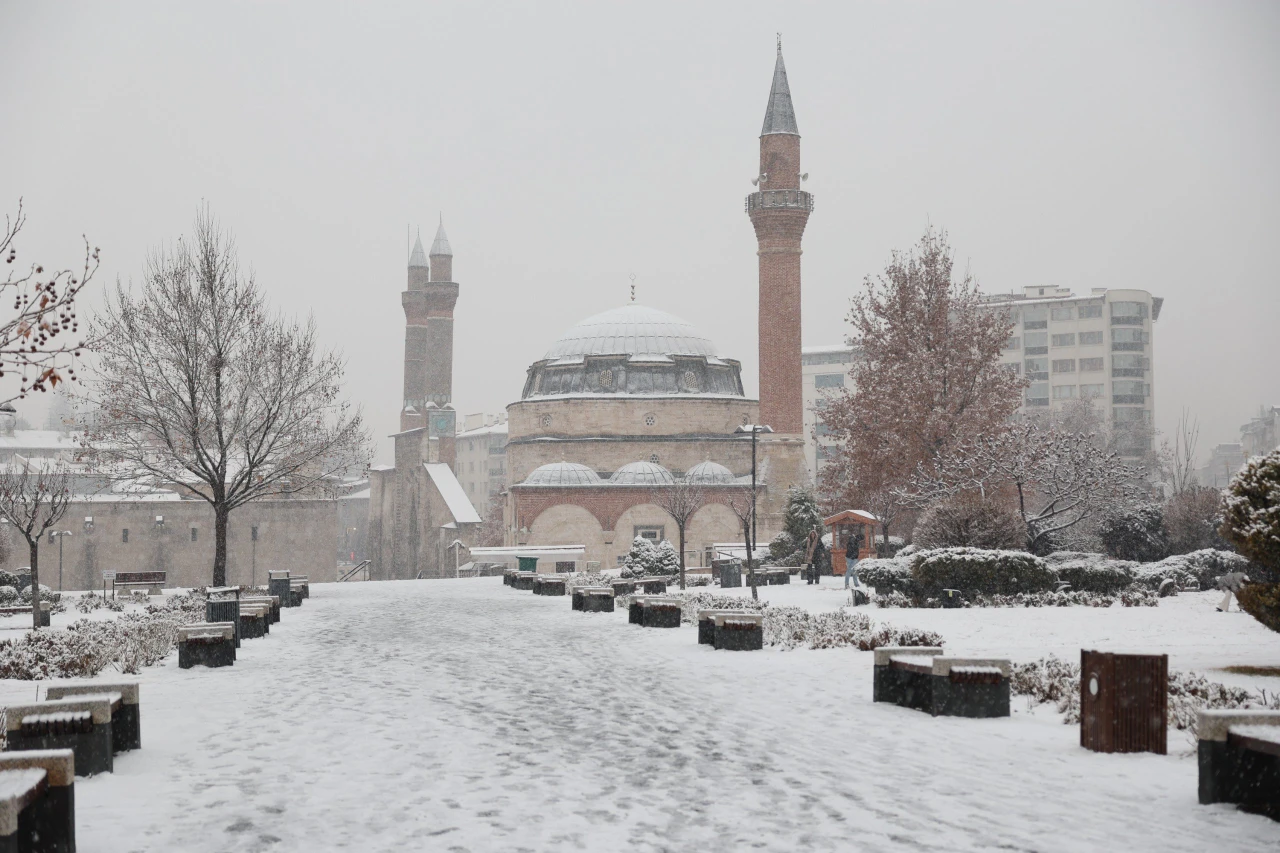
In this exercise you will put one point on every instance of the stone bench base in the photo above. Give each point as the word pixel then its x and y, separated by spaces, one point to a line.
pixel 92 748
pixel 202 652
pixel 651 586
pixel 597 603
pixel 738 635
pixel 523 581
pixel 549 586
pixel 49 822
pixel 921 678
pixel 660 615
pixel 1239 760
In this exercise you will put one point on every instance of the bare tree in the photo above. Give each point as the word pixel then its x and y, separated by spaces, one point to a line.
pixel 1180 458
pixel 741 506
pixel 36 339
pixel 928 376
pixel 681 500
pixel 34 496
pixel 1058 479
pixel 201 385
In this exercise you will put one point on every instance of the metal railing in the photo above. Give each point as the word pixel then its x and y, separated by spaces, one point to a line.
pixel 775 199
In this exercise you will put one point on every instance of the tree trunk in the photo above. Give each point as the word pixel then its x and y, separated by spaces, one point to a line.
pixel 35 583
pixel 220 516
pixel 751 563
pixel 680 528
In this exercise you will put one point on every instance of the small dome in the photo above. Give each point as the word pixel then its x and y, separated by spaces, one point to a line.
pixel 562 474
pixel 709 474
pixel 633 330
pixel 642 474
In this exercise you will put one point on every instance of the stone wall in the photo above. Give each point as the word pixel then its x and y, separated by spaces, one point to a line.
pixel 298 535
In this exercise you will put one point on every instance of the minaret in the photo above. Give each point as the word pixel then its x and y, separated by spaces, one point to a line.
pixel 428 345
pixel 779 211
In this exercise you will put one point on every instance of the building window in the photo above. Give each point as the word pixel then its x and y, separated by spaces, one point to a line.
pixel 124 535
pixel 1129 391
pixel 1090 338
pixel 1130 416
pixel 1038 394
pixel 1064 392
pixel 1035 318
pixel 1060 315
pixel 1064 365
pixel 822 429
pixel 1036 343
pixel 1013 343
pixel 1090 365
pixel 1128 339
pixel 650 420
pixel 1091 392
pixel 1091 311
pixel 253 533
pixel 1038 368
pixel 1067 340
pixel 828 380
pixel 1128 313
pixel 653 534
pixel 1126 364
pixel 653 457
pixel 1015 368
pixel 194 534
pixel 825 451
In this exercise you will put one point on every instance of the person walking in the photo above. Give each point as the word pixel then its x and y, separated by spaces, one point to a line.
pixel 1231 582
pixel 852 545
pixel 819 561
pixel 810 543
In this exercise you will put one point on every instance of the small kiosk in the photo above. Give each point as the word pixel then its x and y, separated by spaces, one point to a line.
pixel 849 523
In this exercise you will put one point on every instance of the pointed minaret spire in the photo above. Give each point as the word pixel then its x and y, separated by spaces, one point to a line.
pixel 418 258
pixel 441 244
pixel 441 255
pixel 780 115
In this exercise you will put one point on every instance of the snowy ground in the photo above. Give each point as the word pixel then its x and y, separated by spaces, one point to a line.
pixel 463 715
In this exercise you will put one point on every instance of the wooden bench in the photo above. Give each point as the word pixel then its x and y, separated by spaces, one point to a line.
pixel 271 601
pixel 49 822
pixel 301 584
pixel 81 724
pixel 207 644
pixel 20 790
pixel 738 631
pixel 1239 757
pixel 549 585
pixel 126 720
pixel 153 581
pixel 46 609
pixel 924 679
pixel 255 620
pixel 279 586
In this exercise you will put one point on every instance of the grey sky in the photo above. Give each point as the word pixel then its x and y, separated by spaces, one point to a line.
pixel 571 145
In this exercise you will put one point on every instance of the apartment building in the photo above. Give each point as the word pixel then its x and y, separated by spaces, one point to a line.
pixel 482 458
pixel 1096 346
pixel 824 369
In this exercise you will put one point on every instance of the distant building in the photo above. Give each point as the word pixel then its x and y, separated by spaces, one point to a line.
pixel 1224 461
pixel 1262 434
pixel 1097 347
pixel 482 458
pixel 824 370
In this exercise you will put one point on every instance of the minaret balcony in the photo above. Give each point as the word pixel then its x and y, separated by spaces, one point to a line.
pixel 779 200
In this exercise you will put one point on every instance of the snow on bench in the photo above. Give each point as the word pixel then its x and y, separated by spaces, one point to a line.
pixel 1237 753
pixel 58 724
pixel 208 644
pixel 126 720
pixel 19 789
pixel 52 824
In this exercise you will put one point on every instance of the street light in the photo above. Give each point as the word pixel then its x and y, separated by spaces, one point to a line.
pixel 755 430
pixel 60 535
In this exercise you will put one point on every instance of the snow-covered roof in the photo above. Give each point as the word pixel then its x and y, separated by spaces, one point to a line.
pixel 824 349
pixel 451 490
pixel 709 473
pixel 37 439
pixel 780 114
pixel 642 474
pixel 491 429
pixel 634 330
pixel 562 474
pixel 356 496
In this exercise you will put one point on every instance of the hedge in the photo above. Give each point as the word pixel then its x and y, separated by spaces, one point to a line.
pixel 975 571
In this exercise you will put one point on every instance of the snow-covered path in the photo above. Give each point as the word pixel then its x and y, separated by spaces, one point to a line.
pixel 462 715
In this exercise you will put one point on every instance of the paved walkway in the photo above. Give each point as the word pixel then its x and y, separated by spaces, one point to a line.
pixel 464 716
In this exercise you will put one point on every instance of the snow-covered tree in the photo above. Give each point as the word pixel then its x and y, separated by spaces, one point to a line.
pixel 34 496
pixel 969 521
pixel 681 500
pixel 1251 510
pixel 799 517
pixel 1055 479
pixel 1134 531
pixel 667 562
pixel 927 377
pixel 1192 518
pixel 641 560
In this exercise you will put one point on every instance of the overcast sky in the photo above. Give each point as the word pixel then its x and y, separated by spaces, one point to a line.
pixel 570 146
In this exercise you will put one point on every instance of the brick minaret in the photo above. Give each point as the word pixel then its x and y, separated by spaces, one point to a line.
pixel 779 211
pixel 428 344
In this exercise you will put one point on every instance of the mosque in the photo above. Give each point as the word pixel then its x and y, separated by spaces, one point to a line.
pixel 620 407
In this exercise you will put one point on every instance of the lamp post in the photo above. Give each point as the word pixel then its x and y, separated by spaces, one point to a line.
pixel 755 430
pixel 60 535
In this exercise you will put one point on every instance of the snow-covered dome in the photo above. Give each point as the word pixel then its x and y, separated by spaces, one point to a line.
pixel 642 474
pixel 709 474
pixel 562 474
pixel 634 330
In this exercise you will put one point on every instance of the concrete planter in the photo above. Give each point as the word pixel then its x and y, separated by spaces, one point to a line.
pixel 738 632
pixel 49 823
pixel 1239 759
pixel 82 725
pixel 126 718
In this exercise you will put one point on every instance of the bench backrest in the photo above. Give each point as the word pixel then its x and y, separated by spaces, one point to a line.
pixel 128 690
pixel 100 706
pixel 208 630
pixel 943 665
pixel 139 577
pixel 743 615
pixel 884 653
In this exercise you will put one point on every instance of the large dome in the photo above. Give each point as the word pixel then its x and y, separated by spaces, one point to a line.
pixel 633 330
pixel 562 474
pixel 709 474
pixel 642 474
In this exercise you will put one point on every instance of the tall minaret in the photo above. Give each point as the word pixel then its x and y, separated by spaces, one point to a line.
pixel 428 344
pixel 779 211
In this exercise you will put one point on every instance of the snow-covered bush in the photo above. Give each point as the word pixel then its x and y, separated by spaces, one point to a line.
pixel 1091 572
pixel 1151 575
pixel 580 579
pixel 891 549
pixel 799 517
pixel 9 579
pixel 668 560
pixel 969 522
pixel 693 602
pixel 1251 510
pixel 1192 518
pixel 1129 597
pixel 1262 602
pixel 1209 564
pixel 1049 680
pixel 1135 532
pixel 887 575
pixel 88 602
pixel 46 594
pixel 974 571
pixel 793 627
pixel 8 595
pixel 645 559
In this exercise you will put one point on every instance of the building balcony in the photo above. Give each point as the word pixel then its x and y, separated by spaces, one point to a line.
pixel 779 199
pixel 1128 371
pixel 1127 346
pixel 1128 399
